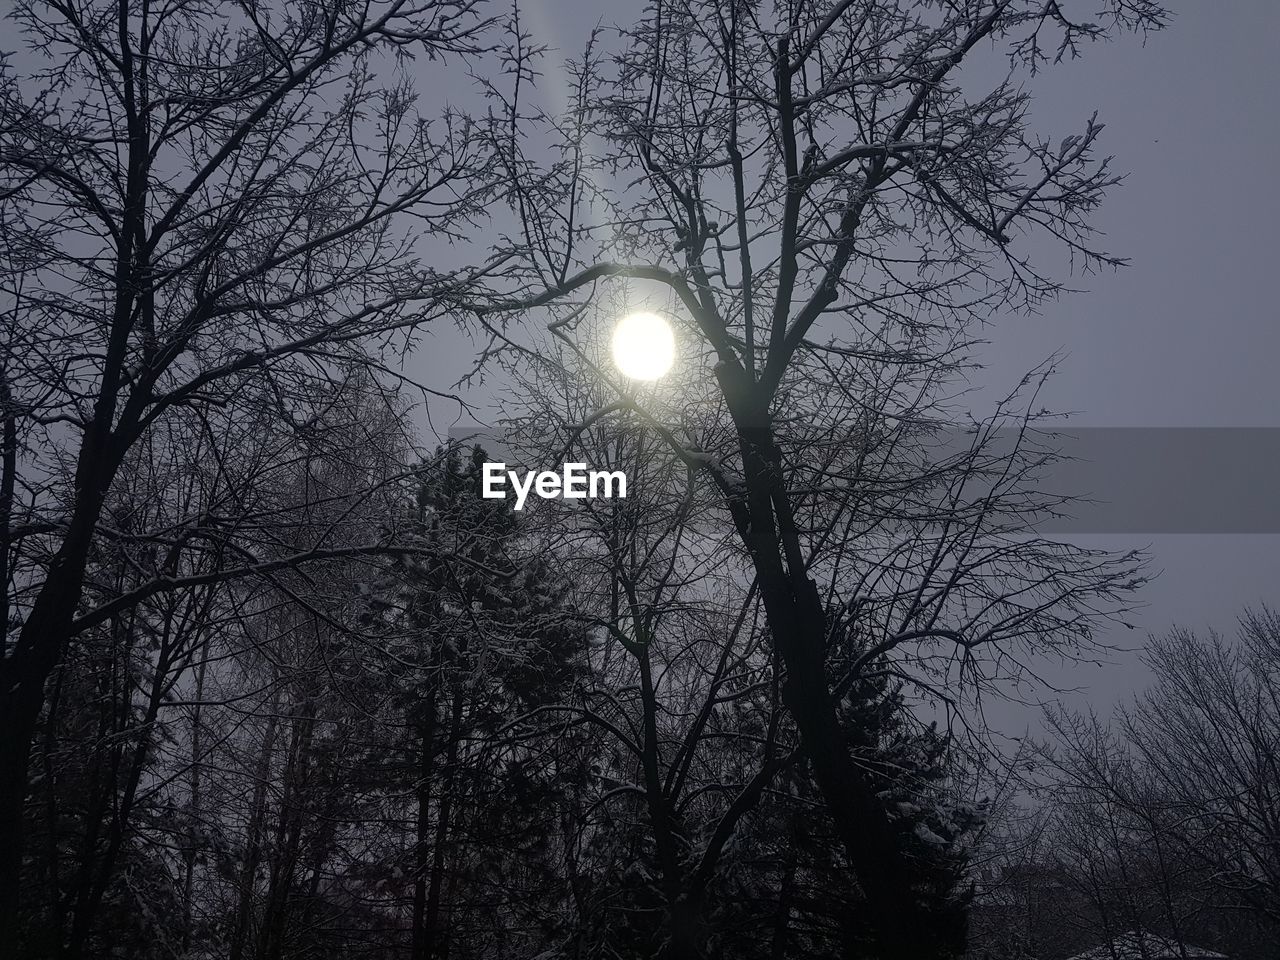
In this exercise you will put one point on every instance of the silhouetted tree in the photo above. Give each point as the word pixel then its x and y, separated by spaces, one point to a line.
pixel 825 211
pixel 1171 808
pixel 216 211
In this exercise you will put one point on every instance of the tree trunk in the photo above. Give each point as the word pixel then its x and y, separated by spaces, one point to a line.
pixel 422 843
pixel 193 806
pixel 293 811
pixel 21 698
pixel 253 845
pixel 436 938
pixel 797 624
pixel 51 939
pixel 118 829
pixel 683 937
pixel 782 917
pixel 40 647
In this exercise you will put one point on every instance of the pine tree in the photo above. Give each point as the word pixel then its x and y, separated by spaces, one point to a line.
pixel 790 891
pixel 487 631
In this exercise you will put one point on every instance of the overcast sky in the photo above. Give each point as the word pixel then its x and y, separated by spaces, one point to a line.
pixel 1187 334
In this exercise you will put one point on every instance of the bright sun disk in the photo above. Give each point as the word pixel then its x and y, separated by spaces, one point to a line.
pixel 643 346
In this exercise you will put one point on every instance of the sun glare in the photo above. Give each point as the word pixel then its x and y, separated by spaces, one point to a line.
pixel 643 346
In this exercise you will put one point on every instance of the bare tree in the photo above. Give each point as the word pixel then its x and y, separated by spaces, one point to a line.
pixel 1190 774
pixel 684 703
pixel 674 588
pixel 208 199
pixel 824 211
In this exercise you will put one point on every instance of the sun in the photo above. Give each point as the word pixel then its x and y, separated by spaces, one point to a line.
pixel 644 347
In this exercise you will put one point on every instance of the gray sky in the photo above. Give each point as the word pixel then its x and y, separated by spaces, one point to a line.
pixel 1187 334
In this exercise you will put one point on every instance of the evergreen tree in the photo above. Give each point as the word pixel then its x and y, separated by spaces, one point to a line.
pixel 487 633
pixel 790 892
